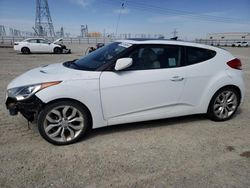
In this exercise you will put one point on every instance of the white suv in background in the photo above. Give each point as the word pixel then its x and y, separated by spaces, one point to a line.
pixel 128 81
pixel 38 45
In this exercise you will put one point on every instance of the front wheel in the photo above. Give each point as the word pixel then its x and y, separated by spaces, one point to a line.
pixel 223 104
pixel 57 50
pixel 25 50
pixel 63 122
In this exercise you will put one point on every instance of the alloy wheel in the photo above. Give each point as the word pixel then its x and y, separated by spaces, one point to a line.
pixel 63 123
pixel 225 104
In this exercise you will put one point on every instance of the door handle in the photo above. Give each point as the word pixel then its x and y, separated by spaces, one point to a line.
pixel 177 78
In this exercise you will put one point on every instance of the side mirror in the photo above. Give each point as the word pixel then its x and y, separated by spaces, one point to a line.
pixel 123 63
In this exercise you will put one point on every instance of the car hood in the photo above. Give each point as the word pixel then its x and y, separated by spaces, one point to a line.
pixel 58 40
pixel 52 72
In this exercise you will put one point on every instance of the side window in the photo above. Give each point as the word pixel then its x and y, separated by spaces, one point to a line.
pixel 32 41
pixel 171 57
pixel 198 55
pixel 43 41
pixel 155 57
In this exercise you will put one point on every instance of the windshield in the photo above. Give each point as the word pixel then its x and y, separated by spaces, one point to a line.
pixel 100 56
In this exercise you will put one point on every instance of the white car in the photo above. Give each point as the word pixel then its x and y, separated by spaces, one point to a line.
pixel 128 81
pixel 240 44
pixel 38 45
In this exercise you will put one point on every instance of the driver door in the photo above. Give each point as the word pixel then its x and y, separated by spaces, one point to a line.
pixel 150 89
pixel 44 46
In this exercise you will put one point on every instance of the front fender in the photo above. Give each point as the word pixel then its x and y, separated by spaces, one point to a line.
pixel 85 91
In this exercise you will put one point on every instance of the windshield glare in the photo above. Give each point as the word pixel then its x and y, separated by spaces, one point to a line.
pixel 100 56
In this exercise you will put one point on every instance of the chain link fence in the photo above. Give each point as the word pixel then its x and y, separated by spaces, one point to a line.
pixel 217 42
pixel 9 41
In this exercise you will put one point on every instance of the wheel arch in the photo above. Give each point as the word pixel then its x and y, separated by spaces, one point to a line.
pixel 76 101
pixel 55 47
pixel 25 47
pixel 223 87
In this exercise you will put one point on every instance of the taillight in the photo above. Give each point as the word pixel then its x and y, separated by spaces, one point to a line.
pixel 235 64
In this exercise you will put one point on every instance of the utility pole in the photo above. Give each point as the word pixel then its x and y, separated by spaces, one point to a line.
pixel 61 32
pixel 175 32
pixel 84 31
pixel 119 16
pixel 43 24
pixel 104 35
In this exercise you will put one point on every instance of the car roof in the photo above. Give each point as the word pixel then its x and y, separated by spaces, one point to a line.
pixel 34 39
pixel 170 42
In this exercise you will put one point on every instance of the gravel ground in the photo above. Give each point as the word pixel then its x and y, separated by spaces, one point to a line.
pixel 178 152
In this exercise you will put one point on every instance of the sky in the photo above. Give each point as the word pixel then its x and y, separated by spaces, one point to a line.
pixel 191 18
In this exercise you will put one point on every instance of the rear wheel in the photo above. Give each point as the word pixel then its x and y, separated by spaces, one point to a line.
pixel 223 104
pixel 57 50
pixel 63 122
pixel 25 50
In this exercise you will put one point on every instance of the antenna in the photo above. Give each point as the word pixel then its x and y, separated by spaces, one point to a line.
pixel 43 23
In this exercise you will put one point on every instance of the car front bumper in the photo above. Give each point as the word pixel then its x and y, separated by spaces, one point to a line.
pixel 29 108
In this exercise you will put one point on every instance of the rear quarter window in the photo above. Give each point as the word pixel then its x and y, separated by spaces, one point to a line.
pixel 198 55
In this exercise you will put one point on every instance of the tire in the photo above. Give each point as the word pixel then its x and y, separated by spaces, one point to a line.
pixel 57 50
pixel 223 104
pixel 233 45
pixel 56 125
pixel 25 50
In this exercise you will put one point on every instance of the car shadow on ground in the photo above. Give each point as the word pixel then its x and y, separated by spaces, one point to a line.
pixel 144 125
pixel 150 124
pixel 35 54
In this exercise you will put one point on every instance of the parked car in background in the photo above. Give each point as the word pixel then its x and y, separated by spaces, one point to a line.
pixel 91 49
pixel 40 45
pixel 240 44
pixel 128 81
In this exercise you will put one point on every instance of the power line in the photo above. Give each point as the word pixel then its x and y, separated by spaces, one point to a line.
pixel 141 6
pixel 180 12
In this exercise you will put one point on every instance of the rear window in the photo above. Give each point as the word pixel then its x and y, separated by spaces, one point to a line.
pixel 198 55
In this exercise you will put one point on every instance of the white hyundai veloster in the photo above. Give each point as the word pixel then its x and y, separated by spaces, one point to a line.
pixel 128 81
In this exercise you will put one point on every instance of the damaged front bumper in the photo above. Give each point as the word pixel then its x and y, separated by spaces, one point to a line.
pixel 29 108
pixel 65 50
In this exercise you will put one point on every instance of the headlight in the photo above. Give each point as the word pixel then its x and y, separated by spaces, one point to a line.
pixel 25 92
